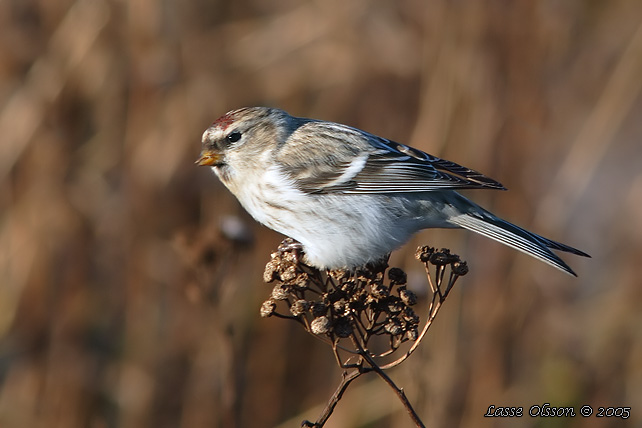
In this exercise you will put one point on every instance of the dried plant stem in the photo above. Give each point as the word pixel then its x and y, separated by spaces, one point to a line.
pixel 402 396
pixel 432 313
pixel 346 379
pixel 348 308
pixel 438 299
pixel 399 391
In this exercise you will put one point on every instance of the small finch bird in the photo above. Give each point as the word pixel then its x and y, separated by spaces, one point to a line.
pixel 350 197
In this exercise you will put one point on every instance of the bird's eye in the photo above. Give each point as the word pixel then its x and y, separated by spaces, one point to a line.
pixel 233 137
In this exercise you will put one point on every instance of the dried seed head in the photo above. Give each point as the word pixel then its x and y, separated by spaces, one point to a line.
pixel 335 296
pixel 326 301
pixel 393 327
pixel 360 295
pixel 358 300
pixel 339 274
pixel 379 291
pixel 270 273
pixel 408 297
pixel 319 309
pixel 320 325
pixel 348 287
pixel 443 257
pixel 280 292
pixel 299 307
pixel 439 259
pixel 410 316
pixel 460 268
pixel 423 253
pixel 290 258
pixel 412 334
pixel 342 327
pixel 371 272
pixel 341 307
pixel 397 276
pixel 394 305
pixel 267 308
pixel 302 280
pixel 288 274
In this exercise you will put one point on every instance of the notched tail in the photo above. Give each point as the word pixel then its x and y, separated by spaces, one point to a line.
pixel 488 225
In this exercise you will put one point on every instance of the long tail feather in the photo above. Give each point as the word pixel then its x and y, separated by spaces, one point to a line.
pixel 486 224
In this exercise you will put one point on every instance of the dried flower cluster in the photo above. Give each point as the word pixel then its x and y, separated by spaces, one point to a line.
pixel 340 303
pixel 348 308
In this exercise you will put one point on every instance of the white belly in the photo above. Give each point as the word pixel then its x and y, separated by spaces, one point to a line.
pixel 336 230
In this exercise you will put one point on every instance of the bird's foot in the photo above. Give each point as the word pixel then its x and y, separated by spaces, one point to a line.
pixel 289 245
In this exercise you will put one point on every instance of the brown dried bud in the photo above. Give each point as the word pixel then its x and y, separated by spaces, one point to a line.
pixel 319 309
pixel 302 280
pixel 340 307
pixel 423 253
pixel 280 292
pixel 393 327
pixel 394 305
pixel 397 276
pixel 460 268
pixel 288 274
pixel 342 327
pixel 370 272
pixel 270 273
pixel 290 258
pixel 410 316
pixel 379 291
pixel 441 258
pixel 335 296
pixel 267 308
pixel 339 274
pixel 348 287
pixel 320 325
pixel 299 307
pixel 412 334
pixel 408 297
pixel 358 300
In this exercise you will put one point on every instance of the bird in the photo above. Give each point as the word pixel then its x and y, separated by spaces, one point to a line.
pixel 348 196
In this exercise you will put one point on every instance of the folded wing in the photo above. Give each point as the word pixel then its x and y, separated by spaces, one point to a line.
pixel 323 157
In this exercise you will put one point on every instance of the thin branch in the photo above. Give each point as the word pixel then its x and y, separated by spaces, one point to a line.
pixel 416 343
pixel 337 357
pixel 399 391
pixel 346 379
pixel 402 396
pixel 288 317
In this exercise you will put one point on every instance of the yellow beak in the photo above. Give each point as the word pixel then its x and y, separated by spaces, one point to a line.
pixel 208 157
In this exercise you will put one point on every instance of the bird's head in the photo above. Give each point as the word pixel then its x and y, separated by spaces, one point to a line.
pixel 243 136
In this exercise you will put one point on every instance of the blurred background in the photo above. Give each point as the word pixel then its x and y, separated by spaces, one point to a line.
pixel 130 279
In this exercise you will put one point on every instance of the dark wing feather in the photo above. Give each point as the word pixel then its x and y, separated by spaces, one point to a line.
pixel 395 167
pixel 323 157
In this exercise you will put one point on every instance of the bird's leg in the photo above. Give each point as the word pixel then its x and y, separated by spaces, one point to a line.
pixel 289 244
